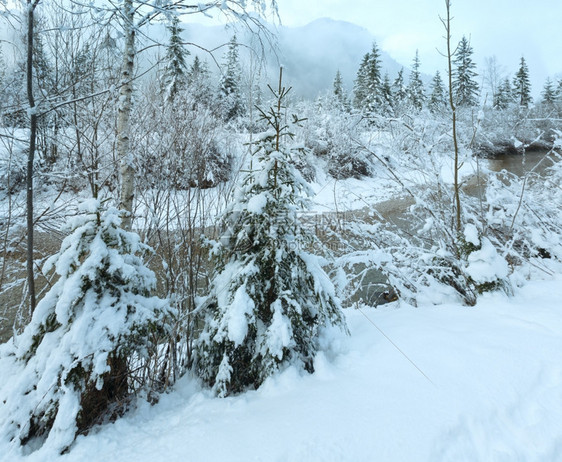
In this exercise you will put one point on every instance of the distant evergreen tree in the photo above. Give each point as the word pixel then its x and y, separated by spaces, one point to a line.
pixel 437 98
pixel 361 83
pixel 198 81
pixel 465 88
pixel 387 96
pixel 399 90
pixel 175 71
pixel 522 85
pixel 44 74
pixel 109 59
pixel 368 84
pixel 504 95
pixel 230 94
pixel 339 92
pixel 270 300
pixel 197 71
pixel 559 91
pixel 256 97
pixel 549 93
pixel 338 86
pixel 373 96
pixel 415 90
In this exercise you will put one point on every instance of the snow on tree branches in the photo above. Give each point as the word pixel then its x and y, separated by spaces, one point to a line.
pixel 270 299
pixel 69 369
pixel 465 88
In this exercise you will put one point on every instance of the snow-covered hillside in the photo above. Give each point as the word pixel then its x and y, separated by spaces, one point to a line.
pixel 446 383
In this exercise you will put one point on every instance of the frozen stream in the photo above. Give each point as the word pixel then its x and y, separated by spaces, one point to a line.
pixel 375 287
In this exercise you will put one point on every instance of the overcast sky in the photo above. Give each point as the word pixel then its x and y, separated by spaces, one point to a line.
pixel 508 29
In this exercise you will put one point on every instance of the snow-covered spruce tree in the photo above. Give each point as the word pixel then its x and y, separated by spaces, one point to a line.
pixel 361 83
pixel 230 95
pixel 270 301
pixel 71 367
pixel 504 96
pixel 339 92
pixel 175 72
pixel 437 99
pixel 373 95
pixel 198 82
pixel 387 96
pixel 548 93
pixel 415 90
pixel 399 91
pixel 559 91
pixel 465 88
pixel 522 85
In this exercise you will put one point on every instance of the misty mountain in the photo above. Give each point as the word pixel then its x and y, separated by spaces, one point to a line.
pixel 311 55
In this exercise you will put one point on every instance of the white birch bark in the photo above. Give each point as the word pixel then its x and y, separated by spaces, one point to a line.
pixel 125 157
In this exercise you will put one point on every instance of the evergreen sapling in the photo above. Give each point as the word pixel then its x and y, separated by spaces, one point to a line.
pixel 270 303
pixel 71 366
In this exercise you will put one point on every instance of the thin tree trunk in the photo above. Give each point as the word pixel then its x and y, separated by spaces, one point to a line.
pixel 31 154
pixel 123 122
pixel 447 24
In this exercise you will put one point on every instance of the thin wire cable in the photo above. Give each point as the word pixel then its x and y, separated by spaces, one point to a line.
pixel 397 347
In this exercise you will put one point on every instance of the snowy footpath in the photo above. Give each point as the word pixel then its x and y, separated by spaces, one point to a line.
pixel 447 383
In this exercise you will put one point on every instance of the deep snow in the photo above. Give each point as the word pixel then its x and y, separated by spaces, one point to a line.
pixel 495 395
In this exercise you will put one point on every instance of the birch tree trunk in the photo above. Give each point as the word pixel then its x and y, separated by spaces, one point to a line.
pixel 127 170
pixel 447 24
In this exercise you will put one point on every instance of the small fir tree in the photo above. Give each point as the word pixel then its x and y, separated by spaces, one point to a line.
pixel 399 89
pixel 504 96
pixel 437 98
pixel 465 88
pixel 387 96
pixel 43 68
pixel 198 82
pixel 175 71
pixel 549 93
pixel 339 92
pixel 522 85
pixel 70 367
pixel 361 83
pixel 230 94
pixel 270 300
pixel 559 91
pixel 415 90
pixel 373 92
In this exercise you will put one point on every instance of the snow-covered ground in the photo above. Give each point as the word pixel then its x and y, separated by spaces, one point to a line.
pixel 446 383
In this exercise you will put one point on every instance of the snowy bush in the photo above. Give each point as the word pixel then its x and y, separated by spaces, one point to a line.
pixel 513 129
pixel 184 150
pixel 71 367
pixel 329 133
pixel 270 299
pixel 524 213
pixel 508 223
pixel 418 247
